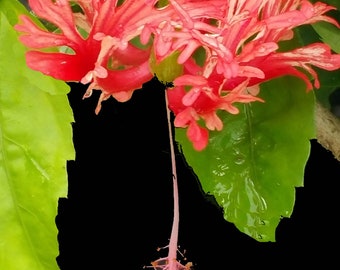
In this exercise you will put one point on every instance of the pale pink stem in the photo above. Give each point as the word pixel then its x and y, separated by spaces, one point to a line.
pixel 173 244
pixel 170 262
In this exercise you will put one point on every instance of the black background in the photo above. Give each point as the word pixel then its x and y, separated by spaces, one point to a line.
pixel 119 205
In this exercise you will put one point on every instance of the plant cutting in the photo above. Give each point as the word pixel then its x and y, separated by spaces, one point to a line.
pixel 240 79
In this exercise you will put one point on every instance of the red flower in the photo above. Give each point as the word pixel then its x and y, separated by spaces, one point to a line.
pixel 202 101
pixel 92 46
pixel 241 51
pixel 240 40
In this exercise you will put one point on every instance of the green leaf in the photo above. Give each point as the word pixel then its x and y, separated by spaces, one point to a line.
pixel 35 144
pixel 254 164
pixel 12 9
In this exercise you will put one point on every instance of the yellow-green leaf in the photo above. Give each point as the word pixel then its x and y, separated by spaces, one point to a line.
pixel 35 144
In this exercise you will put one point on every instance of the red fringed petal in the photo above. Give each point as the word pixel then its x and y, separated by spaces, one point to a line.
pixel 35 37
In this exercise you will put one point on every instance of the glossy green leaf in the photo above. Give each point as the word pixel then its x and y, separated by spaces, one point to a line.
pixel 254 164
pixel 35 144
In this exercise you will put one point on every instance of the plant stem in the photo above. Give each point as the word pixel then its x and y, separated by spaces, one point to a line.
pixel 172 249
pixel 170 262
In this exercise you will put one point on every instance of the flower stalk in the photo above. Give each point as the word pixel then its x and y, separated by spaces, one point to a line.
pixel 170 262
pixel 172 256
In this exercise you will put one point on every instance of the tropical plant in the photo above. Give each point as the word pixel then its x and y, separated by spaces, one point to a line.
pixel 239 76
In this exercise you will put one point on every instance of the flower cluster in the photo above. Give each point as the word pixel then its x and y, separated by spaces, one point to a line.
pixel 108 45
